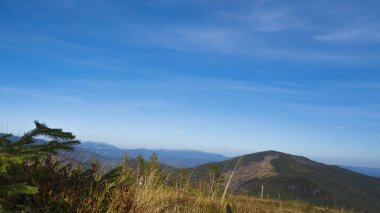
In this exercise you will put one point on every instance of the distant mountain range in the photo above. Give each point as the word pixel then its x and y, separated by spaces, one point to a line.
pixel 289 177
pixel 111 155
pixel 373 172
pixel 176 158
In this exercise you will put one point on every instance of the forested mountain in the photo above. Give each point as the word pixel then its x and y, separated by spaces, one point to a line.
pixel 289 177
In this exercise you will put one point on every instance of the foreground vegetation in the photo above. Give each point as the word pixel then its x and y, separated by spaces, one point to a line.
pixel 33 178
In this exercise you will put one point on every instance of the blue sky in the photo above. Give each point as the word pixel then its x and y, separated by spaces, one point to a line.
pixel 224 76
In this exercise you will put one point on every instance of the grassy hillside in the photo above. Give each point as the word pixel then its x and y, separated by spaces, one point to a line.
pixel 289 177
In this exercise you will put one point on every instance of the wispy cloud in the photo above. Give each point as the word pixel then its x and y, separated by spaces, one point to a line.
pixel 260 30
pixel 343 111
pixel 57 49
pixel 264 30
pixel 239 42
pixel 366 35
pixel 358 85
pixel 132 104
pixel 262 17
pixel 40 41
pixel 128 106
pixel 38 94
pixel 222 86
pixel 272 34
pixel 96 83
pixel 341 127
pixel 193 39
pixel 273 21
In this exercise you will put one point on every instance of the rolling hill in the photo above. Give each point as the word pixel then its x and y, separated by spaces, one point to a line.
pixel 289 177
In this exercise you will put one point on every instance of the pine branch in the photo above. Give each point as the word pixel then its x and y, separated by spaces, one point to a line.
pixel 16 156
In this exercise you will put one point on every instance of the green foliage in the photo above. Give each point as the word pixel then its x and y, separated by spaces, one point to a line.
pixel 153 164
pixel 15 189
pixel 16 156
pixel 215 180
pixel 140 166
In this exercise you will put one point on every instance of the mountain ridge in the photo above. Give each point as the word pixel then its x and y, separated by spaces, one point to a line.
pixel 176 158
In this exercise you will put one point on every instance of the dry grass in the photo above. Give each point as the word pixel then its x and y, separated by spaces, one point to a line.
pixel 155 195
pixel 151 191
pixel 167 199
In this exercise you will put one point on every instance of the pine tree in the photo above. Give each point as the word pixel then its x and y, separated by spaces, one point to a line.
pixel 125 164
pixel 140 167
pixel 16 155
pixel 215 177
pixel 153 164
pixel 183 178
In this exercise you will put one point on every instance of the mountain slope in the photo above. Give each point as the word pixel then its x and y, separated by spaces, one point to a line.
pixel 84 157
pixel 103 149
pixel 290 177
pixel 178 158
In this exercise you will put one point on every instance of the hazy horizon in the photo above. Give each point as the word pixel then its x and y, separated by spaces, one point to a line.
pixel 223 77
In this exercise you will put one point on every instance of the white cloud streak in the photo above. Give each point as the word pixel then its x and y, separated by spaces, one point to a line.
pixel 39 95
pixel 354 35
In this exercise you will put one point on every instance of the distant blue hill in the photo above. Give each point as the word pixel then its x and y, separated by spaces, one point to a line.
pixel 373 172
pixel 176 158
pixel 111 155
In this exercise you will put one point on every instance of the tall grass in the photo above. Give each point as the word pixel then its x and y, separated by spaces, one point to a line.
pixel 131 188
